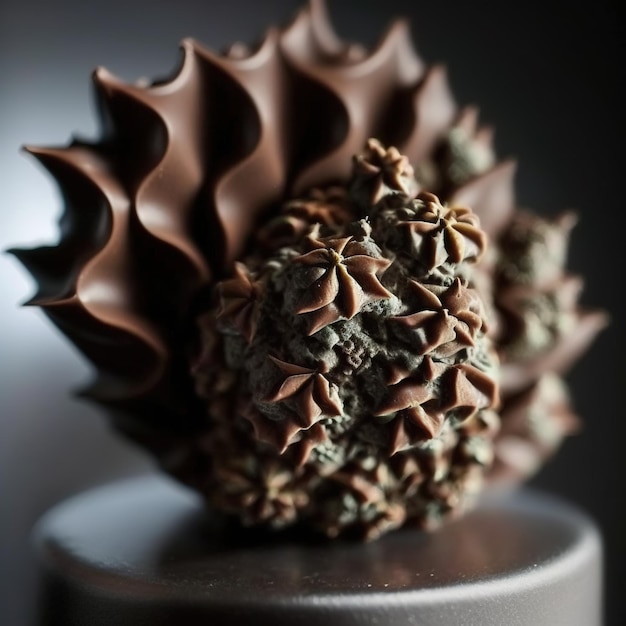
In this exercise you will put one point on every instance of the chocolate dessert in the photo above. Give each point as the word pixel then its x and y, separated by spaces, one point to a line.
pixel 301 275
pixel 302 278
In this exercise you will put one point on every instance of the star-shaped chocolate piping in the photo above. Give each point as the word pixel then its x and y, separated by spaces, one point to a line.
pixel 282 231
pixel 467 390
pixel 534 423
pixel 330 206
pixel 323 207
pixel 308 392
pixel 309 440
pixel 380 493
pixel 466 150
pixel 278 432
pixel 444 323
pixel 466 305
pixel 286 434
pixel 418 412
pixel 348 280
pixel 440 233
pixel 408 473
pixel 239 301
pixel 260 492
pixel 534 249
pixel 383 170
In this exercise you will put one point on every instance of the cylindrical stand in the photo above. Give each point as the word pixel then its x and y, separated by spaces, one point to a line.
pixel 145 551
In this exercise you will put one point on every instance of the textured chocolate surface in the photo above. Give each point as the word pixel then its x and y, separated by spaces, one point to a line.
pixel 187 169
pixel 145 551
pixel 362 383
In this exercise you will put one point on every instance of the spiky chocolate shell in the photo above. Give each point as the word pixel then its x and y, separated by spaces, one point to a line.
pixel 161 207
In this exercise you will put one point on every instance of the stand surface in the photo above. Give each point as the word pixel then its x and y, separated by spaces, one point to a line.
pixel 145 551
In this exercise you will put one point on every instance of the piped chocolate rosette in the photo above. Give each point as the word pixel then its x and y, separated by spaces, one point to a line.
pixel 302 322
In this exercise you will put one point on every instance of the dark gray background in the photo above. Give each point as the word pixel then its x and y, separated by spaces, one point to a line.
pixel 548 79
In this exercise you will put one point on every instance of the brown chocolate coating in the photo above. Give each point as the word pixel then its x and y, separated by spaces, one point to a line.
pixel 187 169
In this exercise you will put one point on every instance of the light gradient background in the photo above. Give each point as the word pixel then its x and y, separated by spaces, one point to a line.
pixel 549 81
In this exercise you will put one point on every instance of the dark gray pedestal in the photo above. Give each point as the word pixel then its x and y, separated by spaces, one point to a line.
pixel 145 552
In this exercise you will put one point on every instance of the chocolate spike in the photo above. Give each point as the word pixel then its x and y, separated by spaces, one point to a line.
pixel 560 358
pixel 492 197
pixel 433 112
pixel 321 28
pixel 363 89
pixel 266 161
pixel 163 207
